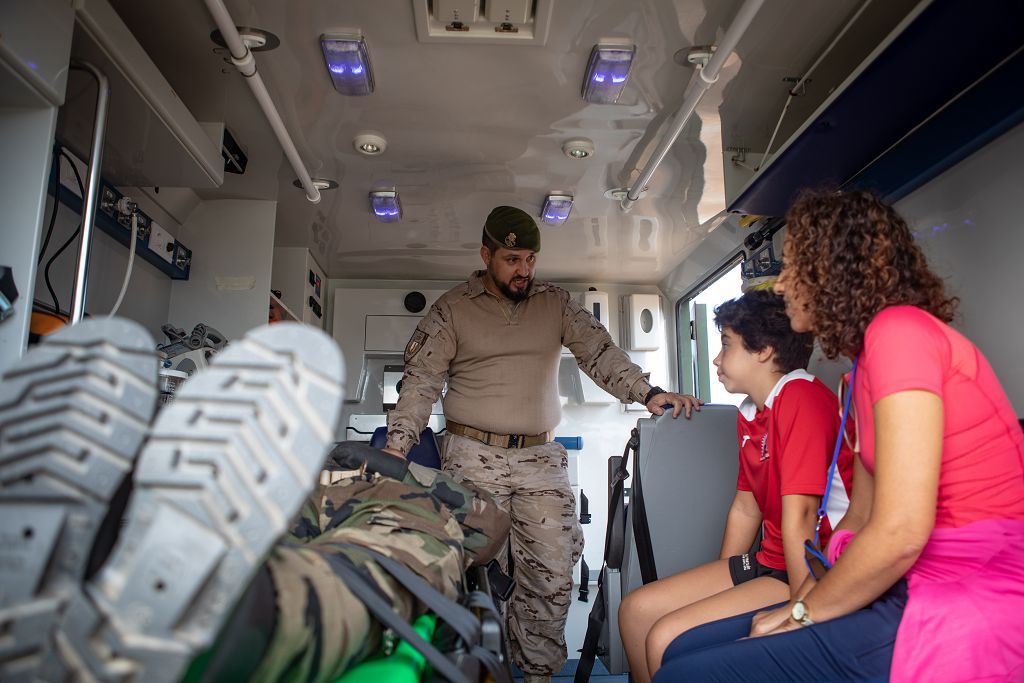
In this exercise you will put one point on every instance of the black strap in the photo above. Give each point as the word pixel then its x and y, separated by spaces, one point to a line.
pixel 382 611
pixel 614 536
pixel 584 580
pixel 461 620
pixel 353 455
pixel 641 530
pixel 614 547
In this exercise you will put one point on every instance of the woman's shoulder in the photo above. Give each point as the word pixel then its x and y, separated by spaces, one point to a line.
pixel 897 322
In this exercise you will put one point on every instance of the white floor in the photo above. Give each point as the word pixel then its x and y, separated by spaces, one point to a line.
pixel 576 626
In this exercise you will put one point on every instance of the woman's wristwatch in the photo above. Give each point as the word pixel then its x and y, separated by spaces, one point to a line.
pixel 800 614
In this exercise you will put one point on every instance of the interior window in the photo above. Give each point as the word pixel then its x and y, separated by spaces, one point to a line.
pixel 696 315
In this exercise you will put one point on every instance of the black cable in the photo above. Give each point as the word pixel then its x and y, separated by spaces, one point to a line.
pixel 74 235
pixel 55 172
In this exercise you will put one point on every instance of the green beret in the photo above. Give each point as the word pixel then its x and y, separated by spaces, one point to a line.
pixel 512 228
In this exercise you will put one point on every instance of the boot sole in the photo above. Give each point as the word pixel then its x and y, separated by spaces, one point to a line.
pixel 228 465
pixel 74 412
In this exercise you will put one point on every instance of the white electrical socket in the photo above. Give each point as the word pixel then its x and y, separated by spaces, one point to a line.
pixel 161 242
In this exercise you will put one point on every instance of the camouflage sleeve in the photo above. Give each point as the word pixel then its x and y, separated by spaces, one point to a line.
pixel 598 356
pixel 427 356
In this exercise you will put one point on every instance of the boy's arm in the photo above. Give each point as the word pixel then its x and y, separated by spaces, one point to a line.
pixel 799 515
pixel 741 525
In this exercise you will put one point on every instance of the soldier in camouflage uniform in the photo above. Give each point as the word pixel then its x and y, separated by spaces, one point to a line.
pixel 428 522
pixel 199 583
pixel 497 339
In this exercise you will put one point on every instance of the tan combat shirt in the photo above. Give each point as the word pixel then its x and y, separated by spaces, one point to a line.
pixel 501 360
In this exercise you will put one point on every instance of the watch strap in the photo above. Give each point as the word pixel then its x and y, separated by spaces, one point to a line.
pixel 652 393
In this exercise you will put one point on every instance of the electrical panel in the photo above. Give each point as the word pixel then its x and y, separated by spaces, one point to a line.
pixel 302 284
pixel 154 244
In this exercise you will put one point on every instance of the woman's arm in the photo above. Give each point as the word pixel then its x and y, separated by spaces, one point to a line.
pixel 861 498
pixel 741 525
pixel 908 456
pixel 799 515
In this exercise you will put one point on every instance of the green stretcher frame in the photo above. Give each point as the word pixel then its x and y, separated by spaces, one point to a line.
pixel 404 665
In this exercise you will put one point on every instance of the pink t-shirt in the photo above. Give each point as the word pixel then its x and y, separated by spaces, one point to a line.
pixel 982 474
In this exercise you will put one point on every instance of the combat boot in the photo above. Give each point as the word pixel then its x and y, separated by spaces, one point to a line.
pixel 226 467
pixel 74 412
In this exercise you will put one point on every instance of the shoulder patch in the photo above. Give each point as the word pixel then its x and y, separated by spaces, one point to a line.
pixel 415 344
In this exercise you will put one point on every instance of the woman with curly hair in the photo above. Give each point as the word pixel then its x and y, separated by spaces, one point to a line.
pixel 928 575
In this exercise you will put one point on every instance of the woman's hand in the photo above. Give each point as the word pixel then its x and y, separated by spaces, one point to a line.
pixel 787 625
pixel 765 623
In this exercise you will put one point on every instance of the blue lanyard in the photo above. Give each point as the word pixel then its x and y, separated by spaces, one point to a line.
pixel 822 509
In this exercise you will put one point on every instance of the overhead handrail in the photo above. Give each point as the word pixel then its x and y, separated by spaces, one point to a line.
pixel 244 61
pixel 92 188
pixel 795 90
pixel 708 75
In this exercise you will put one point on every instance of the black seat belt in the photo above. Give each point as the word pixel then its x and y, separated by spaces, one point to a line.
pixel 641 529
pixel 614 548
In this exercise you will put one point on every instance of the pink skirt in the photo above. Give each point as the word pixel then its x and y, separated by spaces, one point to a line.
pixel 964 619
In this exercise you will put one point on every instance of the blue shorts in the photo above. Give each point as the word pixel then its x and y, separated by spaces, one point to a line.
pixel 856 647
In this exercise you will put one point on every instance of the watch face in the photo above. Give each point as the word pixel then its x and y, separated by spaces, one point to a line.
pixel 799 611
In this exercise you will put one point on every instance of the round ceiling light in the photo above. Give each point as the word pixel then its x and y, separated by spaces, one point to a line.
pixel 369 142
pixel 578 148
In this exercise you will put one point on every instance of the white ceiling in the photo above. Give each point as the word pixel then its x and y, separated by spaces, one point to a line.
pixel 473 126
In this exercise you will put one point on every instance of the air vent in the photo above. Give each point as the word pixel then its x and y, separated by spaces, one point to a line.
pixel 507 22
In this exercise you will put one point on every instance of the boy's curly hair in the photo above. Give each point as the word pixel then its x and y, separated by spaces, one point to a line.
pixel 759 318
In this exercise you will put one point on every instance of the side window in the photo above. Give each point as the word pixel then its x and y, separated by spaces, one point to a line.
pixel 699 339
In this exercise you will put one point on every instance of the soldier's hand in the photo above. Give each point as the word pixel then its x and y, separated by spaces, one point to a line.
pixel 392 451
pixel 681 403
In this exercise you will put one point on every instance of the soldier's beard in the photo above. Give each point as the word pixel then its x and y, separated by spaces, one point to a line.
pixel 516 294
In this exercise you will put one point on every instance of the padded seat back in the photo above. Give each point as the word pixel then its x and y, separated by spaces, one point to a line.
pixel 425 453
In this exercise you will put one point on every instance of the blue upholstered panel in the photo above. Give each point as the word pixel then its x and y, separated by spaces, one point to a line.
pixel 945 50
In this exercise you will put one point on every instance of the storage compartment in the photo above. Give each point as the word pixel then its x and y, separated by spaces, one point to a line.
pixel 152 138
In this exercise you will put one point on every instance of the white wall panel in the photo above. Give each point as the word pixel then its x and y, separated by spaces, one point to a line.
pixel 970 227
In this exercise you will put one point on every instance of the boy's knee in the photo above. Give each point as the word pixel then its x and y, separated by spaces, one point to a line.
pixel 632 606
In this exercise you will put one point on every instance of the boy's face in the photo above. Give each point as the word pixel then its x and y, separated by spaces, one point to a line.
pixel 736 365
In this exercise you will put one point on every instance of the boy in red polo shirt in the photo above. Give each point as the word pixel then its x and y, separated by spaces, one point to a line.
pixel 787 430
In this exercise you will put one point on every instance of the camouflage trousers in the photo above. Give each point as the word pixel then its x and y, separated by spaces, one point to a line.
pixel 532 484
pixel 432 524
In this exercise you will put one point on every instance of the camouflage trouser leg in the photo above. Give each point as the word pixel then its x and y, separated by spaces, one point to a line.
pixel 546 540
pixel 428 523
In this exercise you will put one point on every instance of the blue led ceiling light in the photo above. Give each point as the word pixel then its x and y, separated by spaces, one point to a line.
pixel 348 63
pixel 557 208
pixel 607 72
pixel 385 206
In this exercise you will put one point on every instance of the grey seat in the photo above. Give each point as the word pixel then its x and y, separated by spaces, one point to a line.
pixel 688 469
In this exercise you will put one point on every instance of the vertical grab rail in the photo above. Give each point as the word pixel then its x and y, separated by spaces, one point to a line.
pixel 243 60
pixel 92 188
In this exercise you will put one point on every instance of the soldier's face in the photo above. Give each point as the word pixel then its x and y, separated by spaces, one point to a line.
pixel 511 270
